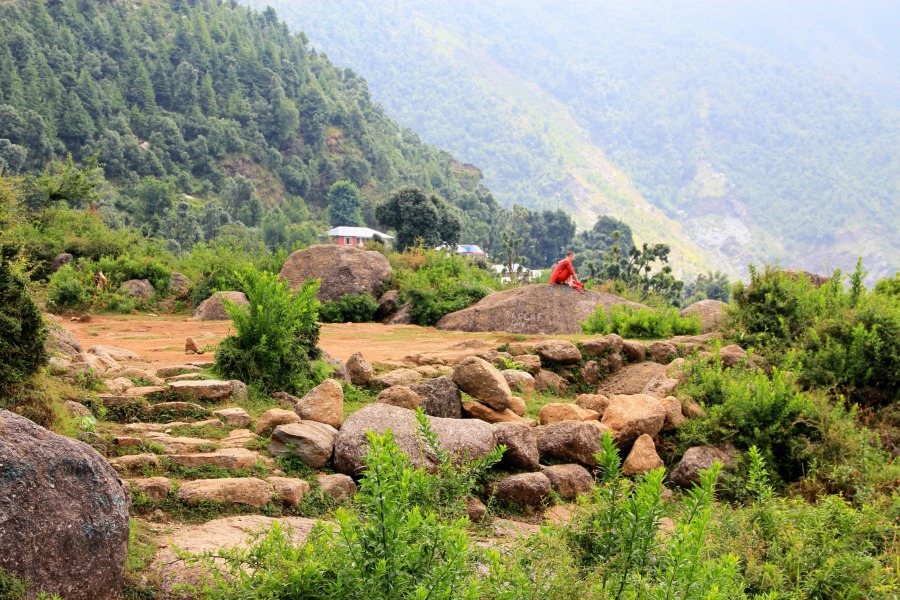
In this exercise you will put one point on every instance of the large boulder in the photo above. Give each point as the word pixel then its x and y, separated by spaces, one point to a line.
pixel 521 446
pixel 570 480
pixel 59 260
pixel 629 417
pixel 481 380
pixel 399 395
pixel 360 371
pixel 439 397
pixel 342 270
pixel 213 309
pixel 63 513
pixel 710 312
pixel 462 438
pixel 642 458
pixel 227 490
pixel 555 412
pixel 537 308
pixel 62 341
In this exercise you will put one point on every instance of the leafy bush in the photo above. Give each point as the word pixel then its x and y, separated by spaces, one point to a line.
pixel 276 336
pixel 69 289
pixel 747 407
pixel 349 308
pixel 442 284
pixel 640 323
pixel 392 546
pixel 858 351
pixel 123 268
pixel 22 331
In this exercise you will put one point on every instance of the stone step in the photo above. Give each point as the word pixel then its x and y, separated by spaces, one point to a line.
pixel 225 458
pixel 174 370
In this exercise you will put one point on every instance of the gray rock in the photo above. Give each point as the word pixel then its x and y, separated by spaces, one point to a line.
pixel 213 308
pixel 527 489
pixel 361 372
pixel 519 381
pixel 521 446
pixel 341 269
pixel 558 351
pixel 63 513
pixel 569 480
pixel 439 397
pixel 687 472
pixel 570 441
pixel 312 442
pixel 137 288
pixel 59 260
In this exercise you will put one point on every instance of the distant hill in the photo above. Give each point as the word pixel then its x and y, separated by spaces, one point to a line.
pixel 738 132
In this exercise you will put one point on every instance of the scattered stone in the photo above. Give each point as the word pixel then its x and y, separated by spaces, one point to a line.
pixel 570 441
pixel 78 410
pixel 495 357
pixel 207 389
pixel 632 379
pixel 323 404
pixel 476 509
pixel 439 397
pixel 399 395
pixel 114 353
pixel 405 377
pixel 642 458
pixel 732 355
pixel 611 363
pixel 274 417
pixel 145 391
pixel 633 351
pixel 692 410
pixel 180 284
pixel 594 402
pixel 674 417
pixel 662 352
pixel 156 489
pixel 341 269
pixel 173 370
pixel 661 387
pixel 687 472
pixel 482 381
pixel 133 462
pixel 118 385
pixel 230 490
pixel 558 351
pixel 225 458
pixel 311 442
pixel 630 416
pixel 339 486
pixel 530 362
pixel 518 350
pixel 64 515
pixel 607 344
pixel 134 373
pixel 521 446
pixel 289 490
pixel 527 489
pixel 477 410
pixel 137 288
pixel 235 417
pixel 213 308
pixel 548 381
pixel 59 366
pixel 710 312
pixel 401 317
pixel 517 405
pixel 590 373
pixel 127 441
pixel 562 411
pixel 519 381
pixel 176 410
pixel 569 480
pixel 63 258
pixel 62 341
pixel 387 304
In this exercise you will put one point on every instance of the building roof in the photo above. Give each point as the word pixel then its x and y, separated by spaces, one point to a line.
pixel 469 249
pixel 360 232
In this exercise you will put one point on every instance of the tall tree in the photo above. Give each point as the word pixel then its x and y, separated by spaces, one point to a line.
pixel 417 216
pixel 344 204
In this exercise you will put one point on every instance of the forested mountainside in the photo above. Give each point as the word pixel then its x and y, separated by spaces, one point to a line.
pixel 204 113
pixel 762 131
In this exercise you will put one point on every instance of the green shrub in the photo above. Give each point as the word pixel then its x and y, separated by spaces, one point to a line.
pixel 123 268
pixel 747 407
pixel 857 351
pixel 442 284
pixel 22 331
pixel 276 336
pixel 349 308
pixel 391 546
pixel 12 588
pixel 640 323
pixel 69 289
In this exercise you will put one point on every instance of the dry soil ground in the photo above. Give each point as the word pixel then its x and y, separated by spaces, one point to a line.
pixel 160 340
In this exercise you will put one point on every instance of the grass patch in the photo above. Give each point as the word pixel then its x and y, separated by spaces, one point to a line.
pixel 356 398
pixel 210 432
pixel 637 323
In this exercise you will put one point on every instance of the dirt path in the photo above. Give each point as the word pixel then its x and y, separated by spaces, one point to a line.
pixel 160 340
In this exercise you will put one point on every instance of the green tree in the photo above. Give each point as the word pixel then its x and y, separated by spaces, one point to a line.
pixel 415 215
pixel 344 204
pixel 155 199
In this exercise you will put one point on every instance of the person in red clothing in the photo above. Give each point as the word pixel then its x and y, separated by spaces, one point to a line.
pixel 564 273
